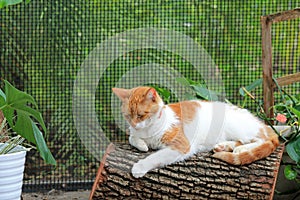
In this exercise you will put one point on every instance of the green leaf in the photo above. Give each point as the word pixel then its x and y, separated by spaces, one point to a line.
pixel 28 111
pixel 2 94
pixel 297 107
pixel 164 93
pixel 290 173
pixel 42 146
pixel 20 111
pixel 293 149
pixel 295 111
pixel 189 96
pixel 205 93
pixel 9 115
pixel 23 127
pixel 4 3
pixel 183 81
pixel 2 99
pixel 251 87
pixel 15 96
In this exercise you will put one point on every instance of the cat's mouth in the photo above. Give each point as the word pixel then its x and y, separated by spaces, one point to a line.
pixel 141 125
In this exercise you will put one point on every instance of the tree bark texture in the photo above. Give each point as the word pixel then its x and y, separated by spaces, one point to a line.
pixel 199 177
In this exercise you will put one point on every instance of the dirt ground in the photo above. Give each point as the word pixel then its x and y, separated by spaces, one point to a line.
pixel 84 195
pixel 57 195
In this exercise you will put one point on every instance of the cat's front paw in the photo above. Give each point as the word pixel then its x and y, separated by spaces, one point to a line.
pixel 138 170
pixel 142 147
pixel 138 143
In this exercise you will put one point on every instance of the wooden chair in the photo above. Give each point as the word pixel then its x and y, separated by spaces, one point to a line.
pixel 268 79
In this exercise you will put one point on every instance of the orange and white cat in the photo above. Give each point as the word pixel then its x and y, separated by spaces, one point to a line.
pixel 182 129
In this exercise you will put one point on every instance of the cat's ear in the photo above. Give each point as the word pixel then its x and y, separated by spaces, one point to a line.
pixel 152 94
pixel 123 94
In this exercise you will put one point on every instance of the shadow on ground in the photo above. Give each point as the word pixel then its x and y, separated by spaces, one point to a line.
pixel 57 195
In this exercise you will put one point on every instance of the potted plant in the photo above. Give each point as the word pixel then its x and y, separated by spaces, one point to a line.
pixel 25 122
pixel 287 113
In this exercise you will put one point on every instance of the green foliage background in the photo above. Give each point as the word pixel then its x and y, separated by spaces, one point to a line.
pixel 43 43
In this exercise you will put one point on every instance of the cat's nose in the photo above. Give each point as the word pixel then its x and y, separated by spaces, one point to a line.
pixel 136 125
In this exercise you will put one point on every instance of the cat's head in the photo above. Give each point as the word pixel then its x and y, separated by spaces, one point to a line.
pixel 139 105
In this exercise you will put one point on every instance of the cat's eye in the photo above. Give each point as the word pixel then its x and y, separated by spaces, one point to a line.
pixel 140 116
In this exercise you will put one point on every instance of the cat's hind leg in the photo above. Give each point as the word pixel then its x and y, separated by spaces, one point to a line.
pixel 247 153
pixel 247 147
pixel 228 146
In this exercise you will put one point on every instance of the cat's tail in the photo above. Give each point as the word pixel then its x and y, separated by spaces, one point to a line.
pixel 252 154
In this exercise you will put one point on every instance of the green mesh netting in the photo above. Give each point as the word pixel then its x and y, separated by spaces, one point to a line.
pixel 44 45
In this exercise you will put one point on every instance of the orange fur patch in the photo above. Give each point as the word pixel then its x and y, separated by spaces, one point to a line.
pixel 262 134
pixel 141 103
pixel 244 158
pixel 176 139
pixel 185 110
pixel 234 158
pixel 273 137
pixel 263 150
pixel 247 157
pixel 238 143
pixel 259 152
pixel 225 156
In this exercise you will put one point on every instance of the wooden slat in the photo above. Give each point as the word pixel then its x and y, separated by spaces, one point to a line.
pixel 268 84
pixel 284 16
pixel 288 79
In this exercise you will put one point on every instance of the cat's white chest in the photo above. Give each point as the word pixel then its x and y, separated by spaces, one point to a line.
pixel 152 135
pixel 154 142
pixel 152 139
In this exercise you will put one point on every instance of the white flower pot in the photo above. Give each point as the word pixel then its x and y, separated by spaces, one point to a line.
pixel 283 130
pixel 11 173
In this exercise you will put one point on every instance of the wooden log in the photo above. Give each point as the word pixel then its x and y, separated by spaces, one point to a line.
pixel 199 177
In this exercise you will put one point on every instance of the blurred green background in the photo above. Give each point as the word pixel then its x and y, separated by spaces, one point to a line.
pixel 43 44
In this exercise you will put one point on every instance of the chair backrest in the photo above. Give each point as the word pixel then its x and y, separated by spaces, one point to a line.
pixel 268 79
